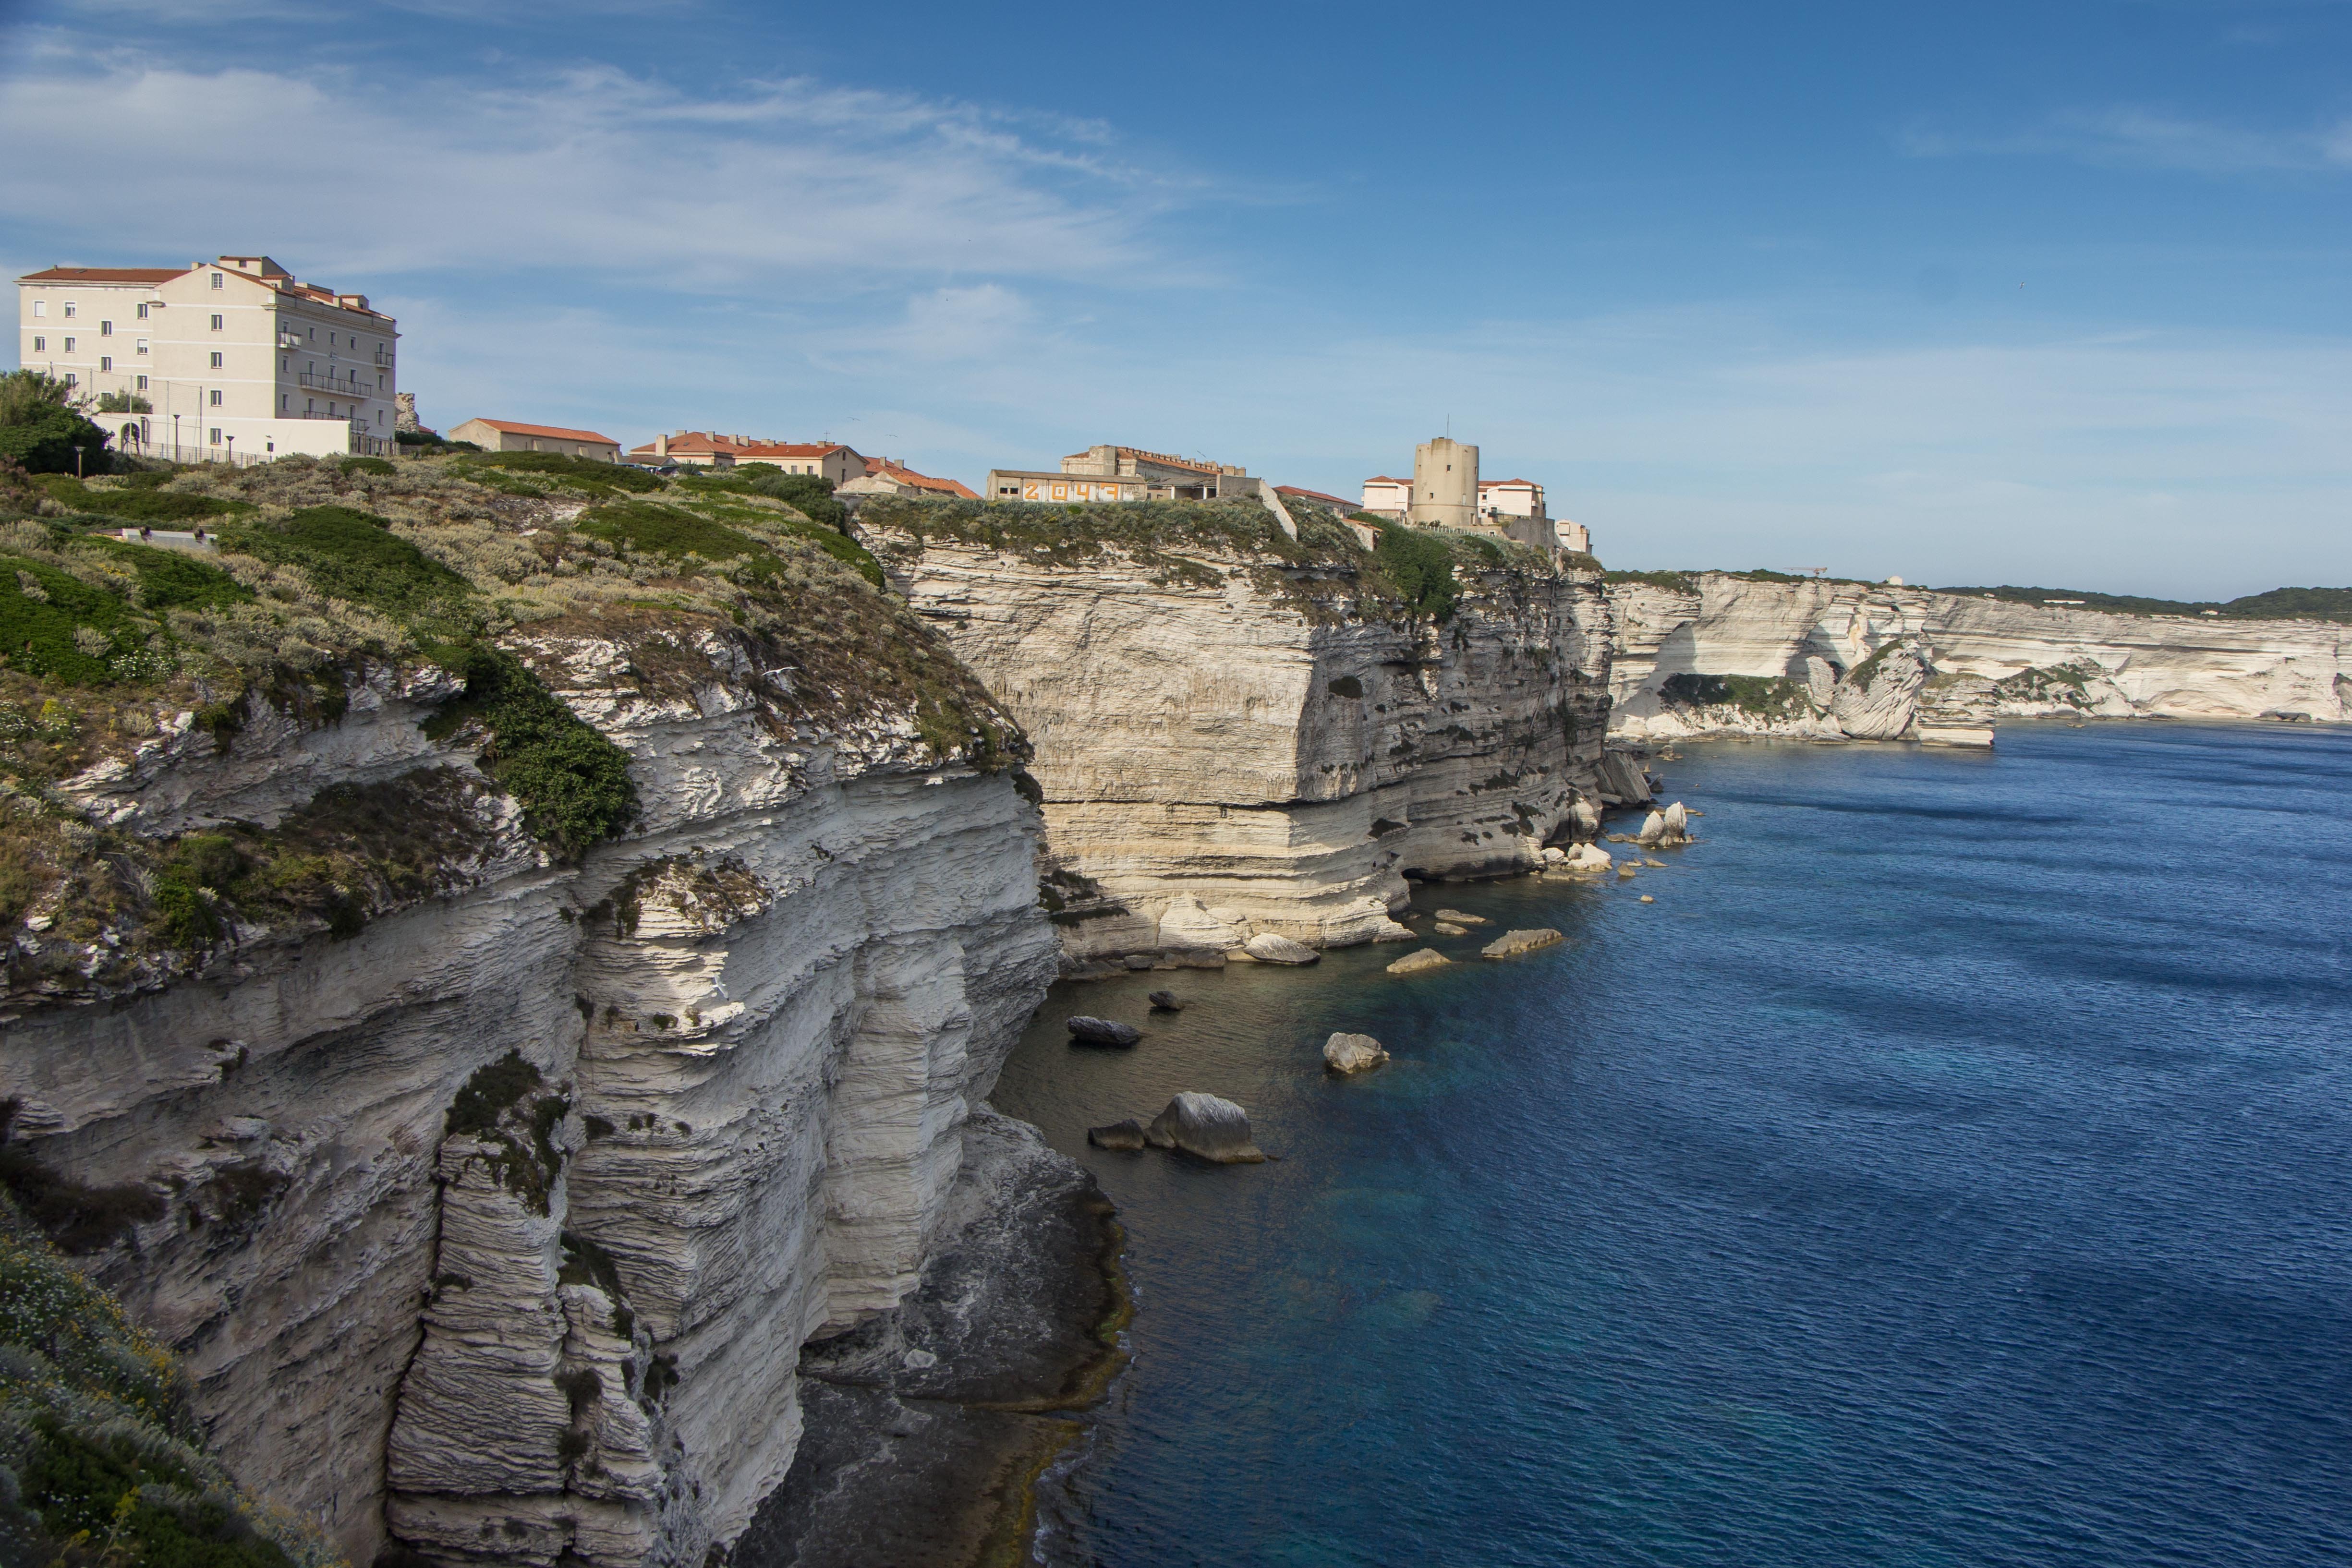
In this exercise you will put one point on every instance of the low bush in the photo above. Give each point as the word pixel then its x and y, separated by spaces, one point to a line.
pixel 581 472
pixel 353 555
pixel 1420 562
pixel 571 783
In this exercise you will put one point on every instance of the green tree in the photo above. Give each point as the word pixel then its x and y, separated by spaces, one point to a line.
pixel 41 428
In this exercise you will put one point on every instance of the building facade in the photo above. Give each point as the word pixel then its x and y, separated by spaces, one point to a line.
pixel 707 449
pixel 1446 492
pixel 887 476
pixel 235 359
pixel 506 435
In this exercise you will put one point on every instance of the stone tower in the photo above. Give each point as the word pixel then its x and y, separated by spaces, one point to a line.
pixel 1445 484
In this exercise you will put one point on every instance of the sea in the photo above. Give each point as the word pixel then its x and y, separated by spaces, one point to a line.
pixel 1952 1167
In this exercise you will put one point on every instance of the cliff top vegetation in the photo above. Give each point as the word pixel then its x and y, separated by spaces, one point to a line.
pixel 2276 604
pixel 1326 571
pixel 322 574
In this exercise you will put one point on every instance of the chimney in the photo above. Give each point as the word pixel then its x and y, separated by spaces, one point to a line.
pixel 661 444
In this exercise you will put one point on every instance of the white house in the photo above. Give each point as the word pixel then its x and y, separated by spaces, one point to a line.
pixel 235 359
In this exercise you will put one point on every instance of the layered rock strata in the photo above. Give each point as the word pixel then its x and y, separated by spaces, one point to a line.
pixel 1718 654
pixel 494 1226
pixel 1238 734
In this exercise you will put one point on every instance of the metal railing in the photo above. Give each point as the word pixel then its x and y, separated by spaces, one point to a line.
pixel 310 380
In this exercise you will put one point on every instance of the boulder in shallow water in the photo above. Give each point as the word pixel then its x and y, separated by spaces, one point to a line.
pixel 1205 1125
pixel 1166 1002
pixel 1127 1135
pixel 1416 963
pixel 1511 944
pixel 1353 1054
pixel 1445 929
pixel 1102 1031
pixel 1268 948
pixel 1455 917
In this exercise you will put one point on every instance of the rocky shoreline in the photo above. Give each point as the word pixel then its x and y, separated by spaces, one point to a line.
pixel 926 1427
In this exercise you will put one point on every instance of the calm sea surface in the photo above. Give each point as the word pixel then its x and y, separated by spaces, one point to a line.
pixel 1953 1167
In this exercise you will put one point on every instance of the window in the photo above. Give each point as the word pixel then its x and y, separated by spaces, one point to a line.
pixel 281 400
pixel 141 347
pixel 106 362
pixel 40 308
pixel 216 283
pixel 216 323
pixel 68 309
pixel 284 363
pixel 216 359
pixel 106 329
pixel 143 310
pixel 40 345
pixel 72 380
pixel 70 345
pixel 143 384
pixel 216 397
pixel 215 435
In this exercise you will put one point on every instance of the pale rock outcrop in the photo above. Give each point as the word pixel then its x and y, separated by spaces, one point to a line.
pixel 1234 738
pixel 1206 1125
pixel 1511 944
pixel 1352 1053
pixel 1588 859
pixel 1122 1135
pixel 756 1029
pixel 1268 948
pixel 1419 963
pixel 1663 829
pixel 1980 660
pixel 1460 918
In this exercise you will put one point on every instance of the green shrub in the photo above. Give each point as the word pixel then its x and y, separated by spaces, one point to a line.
pixel 366 466
pixel 1767 696
pixel 352 554
pixel 57 441
pixel 811 494
pixel 646 527
pixel 1421 563
pixel 489 1094
pixel 138 503
pixel 584 473
pixel 571 783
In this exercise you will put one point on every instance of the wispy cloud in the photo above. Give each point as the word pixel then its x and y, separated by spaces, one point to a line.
pixel 789 185
pixel 2148 138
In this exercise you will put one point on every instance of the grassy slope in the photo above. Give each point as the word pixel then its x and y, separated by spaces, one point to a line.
pixel 328 569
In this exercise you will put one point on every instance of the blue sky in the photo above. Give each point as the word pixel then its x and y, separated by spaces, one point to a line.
pixel 2052 293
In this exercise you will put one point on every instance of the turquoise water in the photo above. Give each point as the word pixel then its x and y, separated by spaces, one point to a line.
pixel 1953 1167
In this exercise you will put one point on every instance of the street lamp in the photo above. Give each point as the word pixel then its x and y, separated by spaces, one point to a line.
pixel 175 438
pixel 232 450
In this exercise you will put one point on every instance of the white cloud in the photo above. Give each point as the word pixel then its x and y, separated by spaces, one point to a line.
pixel 2149 138
pixel 785 185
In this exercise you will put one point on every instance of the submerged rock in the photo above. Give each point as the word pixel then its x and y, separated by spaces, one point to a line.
pixel 1353 1054
pixel 1102 1031
pixel 1166 1002
pixel 1415 963
pixel 1268 948
pixel 1127 1135
pixel 1455 917
pixel 1445 929
pixel 1511 944
pixel 1205 1125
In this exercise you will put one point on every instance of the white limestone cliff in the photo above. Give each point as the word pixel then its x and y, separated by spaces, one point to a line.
pixel 1234 738
pixel 1802 653
pixel 726 1061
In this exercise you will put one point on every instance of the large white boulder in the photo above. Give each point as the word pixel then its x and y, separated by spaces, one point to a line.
pixel 1268 948
pixel 1204 1125
pixel 1353 1054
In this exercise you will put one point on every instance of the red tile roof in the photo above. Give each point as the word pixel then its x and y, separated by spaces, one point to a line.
pixel 884 468
pixel 696 440
pixel 1502 484
pixel 105 274
pixel 557 430
pixel 1314 496
pixel 1384 479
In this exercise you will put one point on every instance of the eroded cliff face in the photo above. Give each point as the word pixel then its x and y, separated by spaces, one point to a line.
pixel 1238 734
pixel 500 1198
pixel 1797 649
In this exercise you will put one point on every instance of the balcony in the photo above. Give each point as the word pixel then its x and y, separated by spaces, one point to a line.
pixel 312 381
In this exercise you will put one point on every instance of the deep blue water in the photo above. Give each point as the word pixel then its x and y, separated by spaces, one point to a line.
pixel 1953 1167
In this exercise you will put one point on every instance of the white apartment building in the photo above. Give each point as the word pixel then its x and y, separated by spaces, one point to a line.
pixel 235 358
